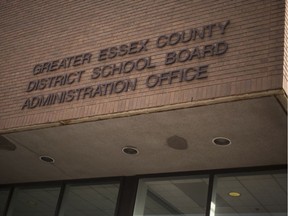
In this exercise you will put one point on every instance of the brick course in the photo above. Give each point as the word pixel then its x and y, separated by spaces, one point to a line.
pixel 285 66
pixel 34 32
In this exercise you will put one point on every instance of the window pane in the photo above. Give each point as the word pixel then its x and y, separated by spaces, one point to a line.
pixel 251 194
pixel 172 196
pixel 4 193
pixel 89 200
pixel 34 201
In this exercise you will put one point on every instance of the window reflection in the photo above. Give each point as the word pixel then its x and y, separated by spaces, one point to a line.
pixel 244 194
pixel 89 200
pixel 4 193
pixel 34 201
pixel 172 196
pixel 251 194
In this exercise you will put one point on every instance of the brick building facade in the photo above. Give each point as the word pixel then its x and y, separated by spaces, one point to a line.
pixel 81 80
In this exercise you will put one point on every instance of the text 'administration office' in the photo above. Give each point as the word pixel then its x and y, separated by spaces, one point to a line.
pixel 143 108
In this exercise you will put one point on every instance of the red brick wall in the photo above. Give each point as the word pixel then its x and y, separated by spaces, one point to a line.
pixel 285 64
pixel 34 32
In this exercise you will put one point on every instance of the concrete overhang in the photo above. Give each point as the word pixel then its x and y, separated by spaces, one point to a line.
pixel 257 128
